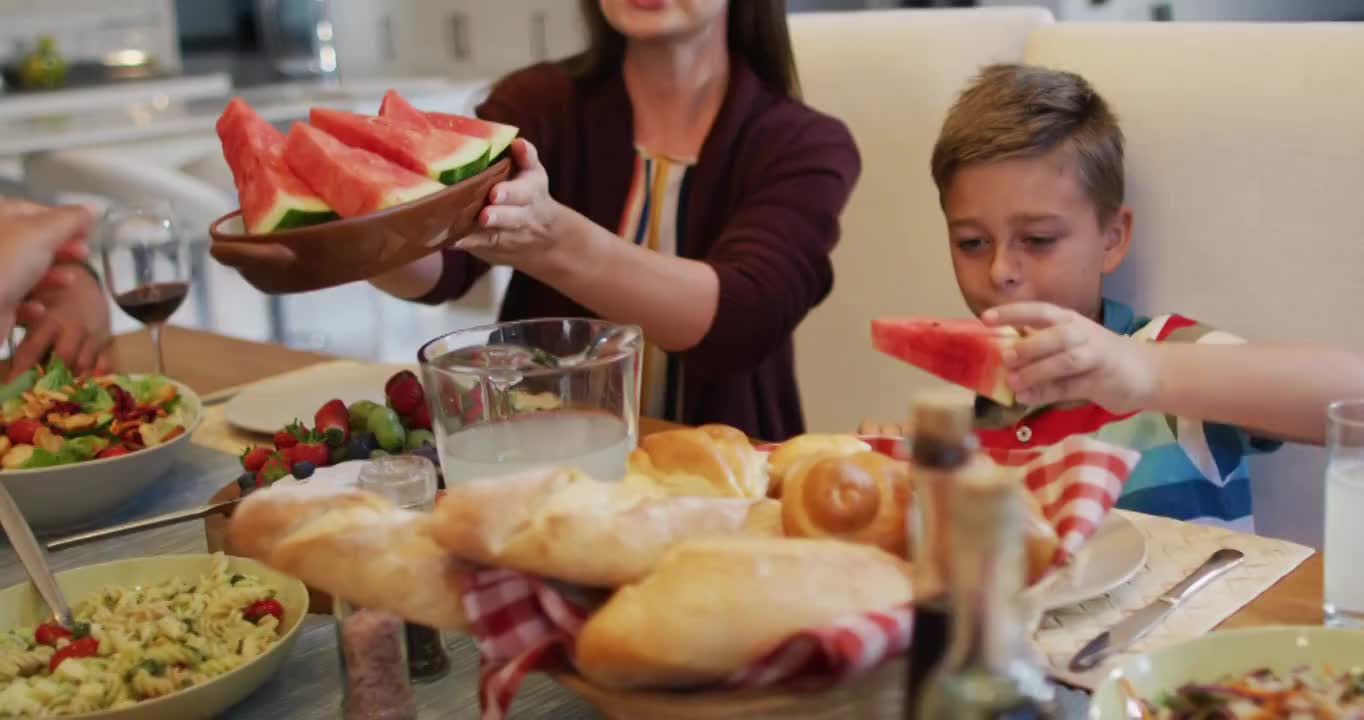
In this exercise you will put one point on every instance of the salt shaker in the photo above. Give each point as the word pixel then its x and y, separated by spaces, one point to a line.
pixel 374 666
pixel 409 481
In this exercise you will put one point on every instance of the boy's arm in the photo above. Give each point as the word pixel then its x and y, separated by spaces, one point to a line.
pixel 1273 391
pixel 1278 392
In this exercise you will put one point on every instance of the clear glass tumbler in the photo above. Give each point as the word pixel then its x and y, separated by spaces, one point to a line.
pixel 512 396
pixel 1344 601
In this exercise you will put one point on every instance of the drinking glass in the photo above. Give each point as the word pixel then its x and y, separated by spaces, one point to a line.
pixel 146 265
pixel 517 395
pixel 1344 602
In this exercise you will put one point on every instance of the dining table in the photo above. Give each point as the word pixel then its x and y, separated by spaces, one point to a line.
pixel 310 684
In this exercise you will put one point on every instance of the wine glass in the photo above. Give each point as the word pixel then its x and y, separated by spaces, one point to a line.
pixel 146 265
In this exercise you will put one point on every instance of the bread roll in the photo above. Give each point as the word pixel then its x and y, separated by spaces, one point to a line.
pixel 561 524
pixel 714 605
pixel 1040 541
pixel 710 460
pixel 798 448
pixel 861 498
pixel 355 546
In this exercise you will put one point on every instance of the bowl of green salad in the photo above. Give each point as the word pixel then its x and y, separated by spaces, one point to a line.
pixel 74 448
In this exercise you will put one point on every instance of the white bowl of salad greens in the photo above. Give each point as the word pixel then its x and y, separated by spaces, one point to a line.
pixel 1269 672
pixel 75 448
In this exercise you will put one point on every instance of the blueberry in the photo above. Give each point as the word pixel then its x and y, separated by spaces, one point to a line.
pixel 303 470
pixel 427 452
pixel 356 449
pixel 368 441
pixel 246 482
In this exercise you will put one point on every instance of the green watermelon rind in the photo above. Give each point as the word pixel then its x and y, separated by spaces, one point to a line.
pixel 293 211
pixel 471 159
pixel 501 140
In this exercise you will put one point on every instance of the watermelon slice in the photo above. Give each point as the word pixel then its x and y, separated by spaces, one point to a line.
pixel 352 180
pixel 271 195
pixel 499 136
pixel 440 155
pixel 966 352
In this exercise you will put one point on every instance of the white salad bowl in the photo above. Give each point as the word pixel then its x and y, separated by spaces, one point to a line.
pixel 1225 653
pixel 67 497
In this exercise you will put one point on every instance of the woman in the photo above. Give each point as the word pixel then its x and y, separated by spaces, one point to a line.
pixel 40 254
pixel 668 177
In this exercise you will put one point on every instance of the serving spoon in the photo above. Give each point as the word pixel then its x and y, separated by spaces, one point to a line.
pixel 33 557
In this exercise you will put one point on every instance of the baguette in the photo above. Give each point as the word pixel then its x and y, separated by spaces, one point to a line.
pixel 355 546
pixel 561 524
pixel 714 605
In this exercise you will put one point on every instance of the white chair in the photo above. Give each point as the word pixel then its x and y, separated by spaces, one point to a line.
pixel 1245 163
pixel 890 75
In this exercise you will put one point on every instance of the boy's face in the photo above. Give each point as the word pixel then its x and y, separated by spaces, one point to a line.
pixel 1024 229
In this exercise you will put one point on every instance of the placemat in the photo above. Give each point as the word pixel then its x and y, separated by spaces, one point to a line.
pixel 1174 549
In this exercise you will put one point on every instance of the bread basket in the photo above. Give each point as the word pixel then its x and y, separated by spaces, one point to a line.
pixel 878 694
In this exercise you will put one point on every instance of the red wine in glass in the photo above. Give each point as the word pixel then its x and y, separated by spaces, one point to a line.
pixel 153 304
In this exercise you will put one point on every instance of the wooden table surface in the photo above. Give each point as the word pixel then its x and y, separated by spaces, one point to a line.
pixel 209 363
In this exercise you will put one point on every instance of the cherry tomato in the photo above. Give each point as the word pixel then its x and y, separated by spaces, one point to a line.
pixel 84 647
pixel 259 609
pixel 50 633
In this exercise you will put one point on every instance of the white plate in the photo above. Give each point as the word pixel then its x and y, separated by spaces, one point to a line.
pixel 267 406
pixel 1110 558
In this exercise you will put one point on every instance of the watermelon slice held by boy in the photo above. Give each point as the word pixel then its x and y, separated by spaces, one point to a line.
pixel 498 135
pixel 272 197
pixel 351 180
pixel 438 154
pixel 966 352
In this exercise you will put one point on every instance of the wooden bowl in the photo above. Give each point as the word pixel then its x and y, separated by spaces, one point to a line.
pixel 878 694
pixel 350 249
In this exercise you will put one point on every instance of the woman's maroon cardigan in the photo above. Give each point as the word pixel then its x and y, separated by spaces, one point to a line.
pixel 762 208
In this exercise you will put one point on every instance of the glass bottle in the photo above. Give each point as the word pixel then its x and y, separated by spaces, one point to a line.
pixel 989 671
pixel 942 448
pixel 409 481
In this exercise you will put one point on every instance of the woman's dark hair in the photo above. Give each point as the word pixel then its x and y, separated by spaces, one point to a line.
pixel 757 35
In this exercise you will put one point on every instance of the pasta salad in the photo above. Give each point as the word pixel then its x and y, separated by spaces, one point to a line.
pixel 136 643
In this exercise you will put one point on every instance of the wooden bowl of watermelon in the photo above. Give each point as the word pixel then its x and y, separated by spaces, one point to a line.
pixel 353 196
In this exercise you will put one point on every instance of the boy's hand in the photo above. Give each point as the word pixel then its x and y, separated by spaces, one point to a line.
pixel 1066 356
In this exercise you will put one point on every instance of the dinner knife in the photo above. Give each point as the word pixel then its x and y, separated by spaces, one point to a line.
pixel 1135 626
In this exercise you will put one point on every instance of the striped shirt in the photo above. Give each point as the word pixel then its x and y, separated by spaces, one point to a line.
pixel 653 219
pixel 1189 469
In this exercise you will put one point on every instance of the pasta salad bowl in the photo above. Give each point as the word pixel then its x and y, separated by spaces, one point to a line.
pixel 171 636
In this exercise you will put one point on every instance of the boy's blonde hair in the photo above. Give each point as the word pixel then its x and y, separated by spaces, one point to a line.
pixel 1011 111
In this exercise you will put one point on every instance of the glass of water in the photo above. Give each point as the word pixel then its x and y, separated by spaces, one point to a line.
pixel 1344 604
pixel 518 395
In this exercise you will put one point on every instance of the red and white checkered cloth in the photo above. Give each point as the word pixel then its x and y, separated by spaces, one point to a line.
pixel 524 623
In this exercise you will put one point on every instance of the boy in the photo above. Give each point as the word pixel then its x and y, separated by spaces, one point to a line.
pixel 1029 169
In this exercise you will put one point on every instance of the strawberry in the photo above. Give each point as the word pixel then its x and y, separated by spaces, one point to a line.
pixel 404 393
pixel 285 440
pixel 420 419
pixel 273 469
pixel 253 459
pixel 333 423
pixel 20 432
pixel 112 451
pixel 314 452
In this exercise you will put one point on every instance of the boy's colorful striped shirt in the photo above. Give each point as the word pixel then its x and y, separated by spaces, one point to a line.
pixel 1189 470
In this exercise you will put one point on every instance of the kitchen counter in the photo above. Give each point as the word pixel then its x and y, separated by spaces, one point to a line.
pixel 46 121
